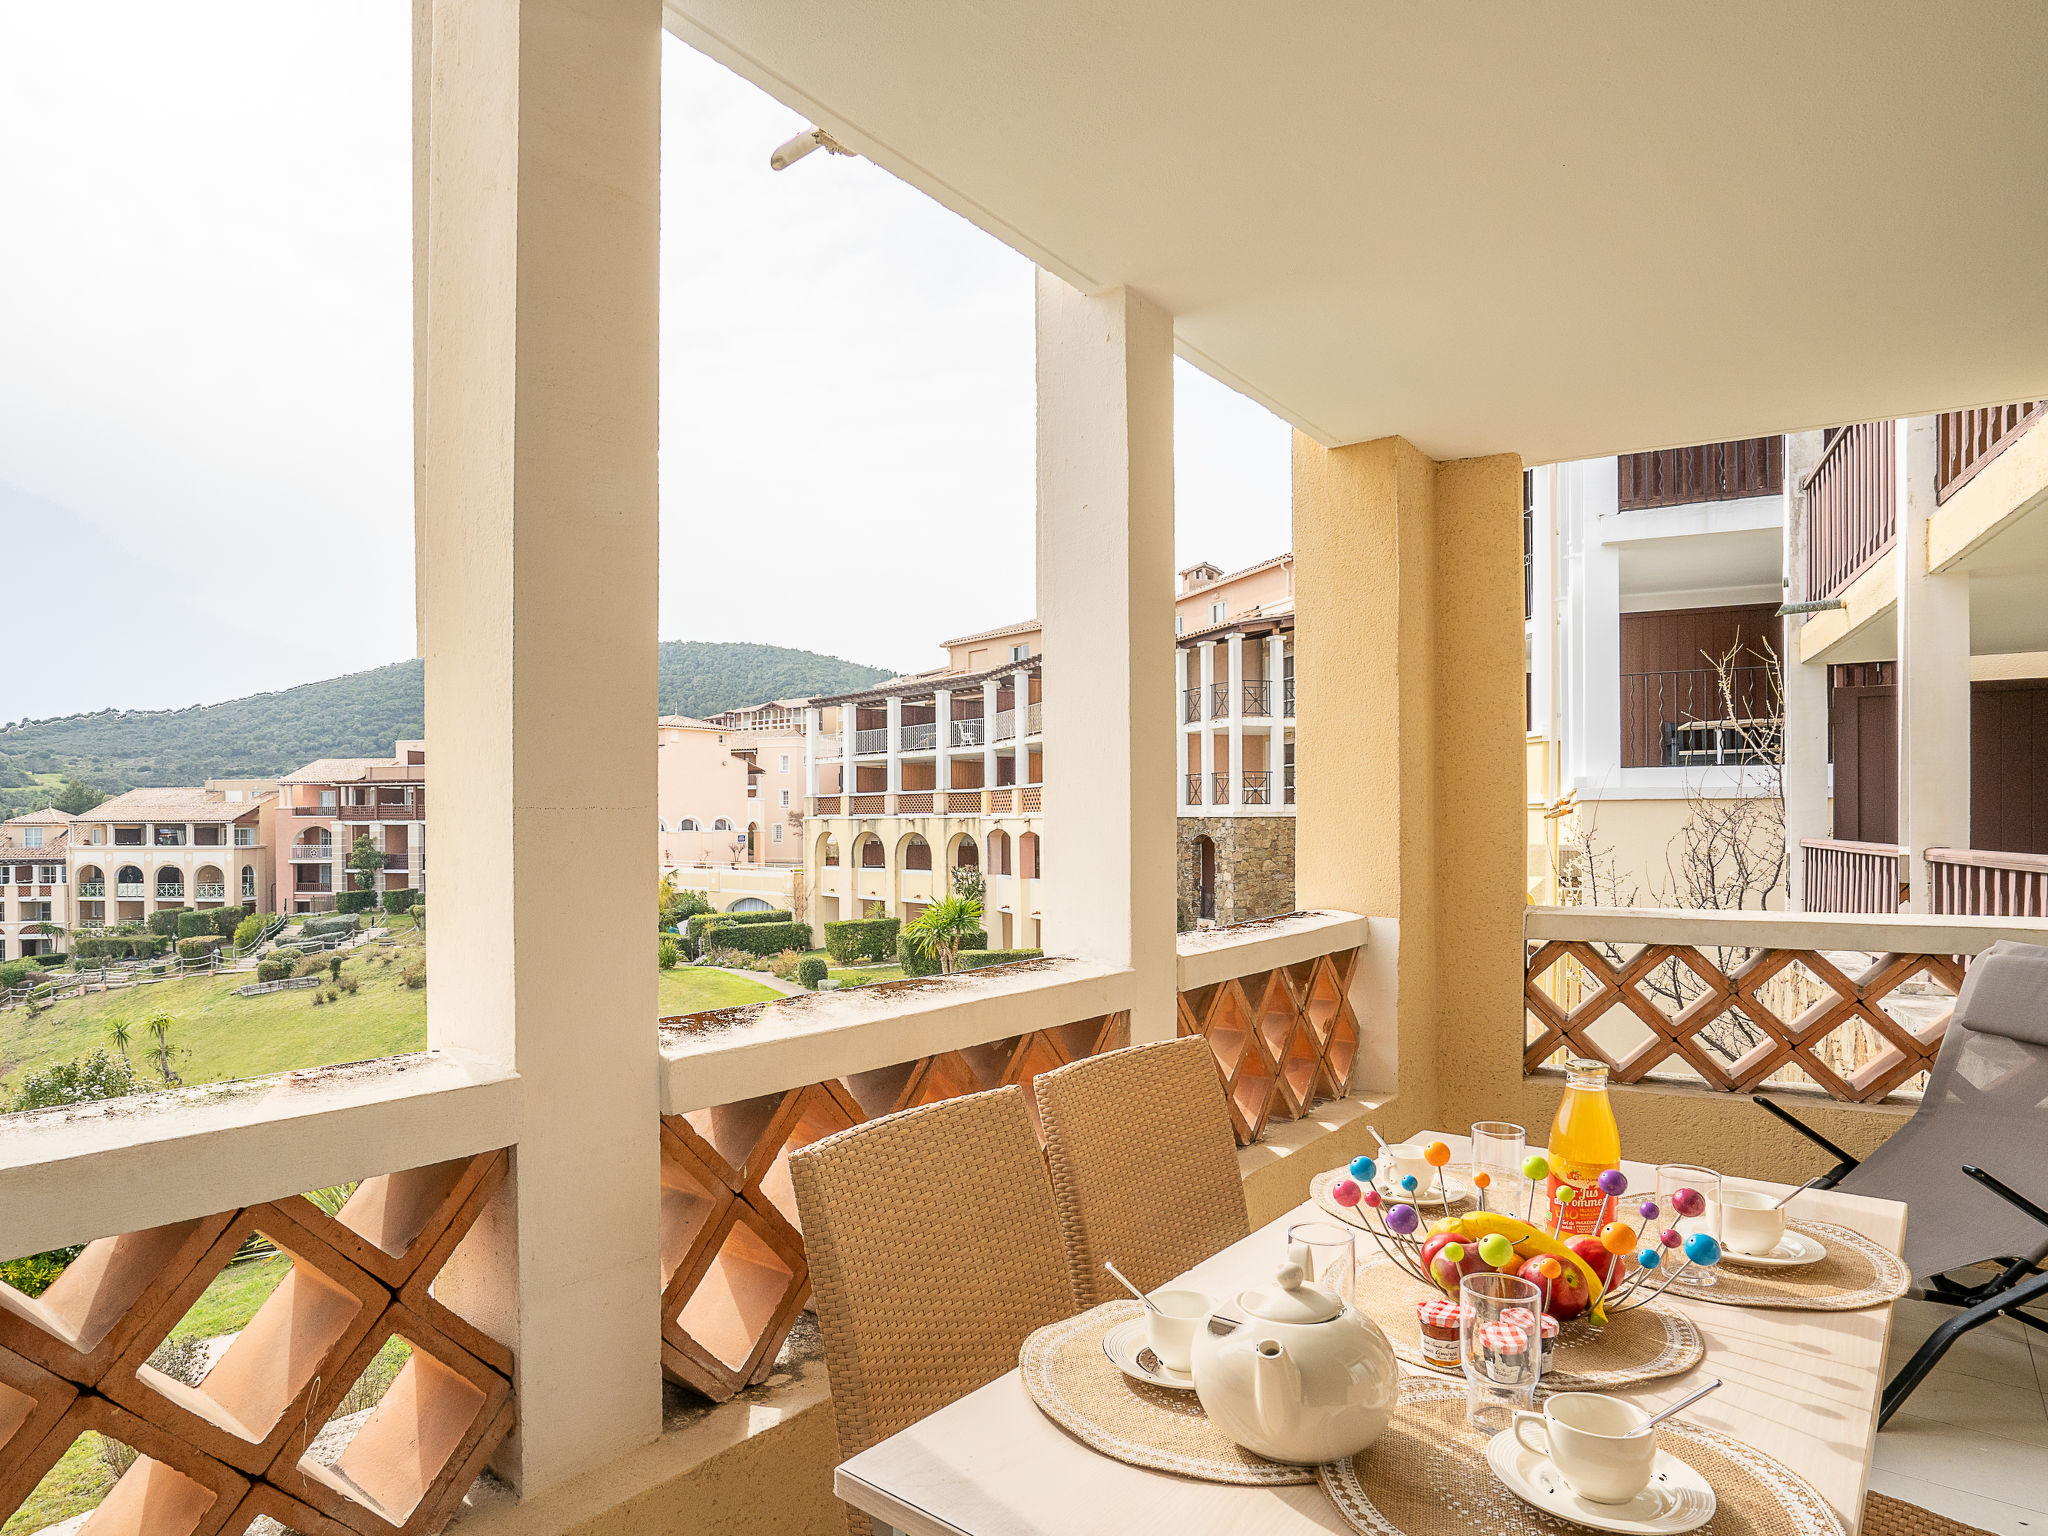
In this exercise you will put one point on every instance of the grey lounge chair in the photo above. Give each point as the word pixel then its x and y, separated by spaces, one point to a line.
pixel 1986 1104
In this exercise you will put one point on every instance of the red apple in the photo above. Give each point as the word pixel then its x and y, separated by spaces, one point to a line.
pixel 1442 1270
pixel 1598 1259
pixel 1566 1296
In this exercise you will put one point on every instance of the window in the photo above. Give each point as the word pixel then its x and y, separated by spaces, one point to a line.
pixel 776 835
pixel 661 824
pixel 31 837
pixel 1180 624
pixel 688 824
pixel 917 854
pixel 784 798
pixel 248 882
pixel 1218 612
pixel 784 760
pixel 245 837
pixel 1020 652
pixel 721 825
pixel 871 855
pixel 49 874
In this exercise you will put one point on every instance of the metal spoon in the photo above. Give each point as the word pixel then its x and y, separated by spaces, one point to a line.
pixel 1802 1189
pixel 1683 1402
pixel 1125 1280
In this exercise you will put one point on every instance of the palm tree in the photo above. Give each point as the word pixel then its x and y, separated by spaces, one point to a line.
pixel 938 932
pixel 119 1034
pixel 159 1026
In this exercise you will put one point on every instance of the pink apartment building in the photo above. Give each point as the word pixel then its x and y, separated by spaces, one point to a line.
pixel 729 790
pixel 325 806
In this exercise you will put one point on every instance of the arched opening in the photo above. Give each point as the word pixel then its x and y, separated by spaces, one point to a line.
pixel 753 848
pixel 170 884
pixel 999 852
pixel 689 824
pixel 721 825
pixel 917 853
pixel 129 880
pixel 248 882
pixel 871 853
pixel 1029 858
pixel 828 851
pixel 661 824
pixel 750 904
pixel 209 884
pixel 1205 878
pixel 966 855
pixel 91 881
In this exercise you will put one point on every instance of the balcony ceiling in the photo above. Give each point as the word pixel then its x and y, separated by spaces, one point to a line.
pixel 1563 231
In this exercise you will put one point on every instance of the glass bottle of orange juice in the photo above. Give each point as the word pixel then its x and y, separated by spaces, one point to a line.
pixel 1584 1143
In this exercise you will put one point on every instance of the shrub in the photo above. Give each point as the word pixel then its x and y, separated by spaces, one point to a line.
pixel 419 914
pixel 782 964
pixel 164 924
pixel 764 938
pixel 50 961
pixel 669 953
pixel 974 960
pixel 355 901
pixel 737 959
pixel 348 984
pixel 226 920
pixel 198 948
pixel 119 946
pixel 329 923
pixel 914 965
pixel 273 968
pixel 414 976
pixel 862 938
pixel 192 924
pixel 79 1081
pixel 703 922
pixel 285 952
pixel 319 997
pixel 309 965
pixel 15 973
pixel 247 929
pixel 811 970
pixel 400 901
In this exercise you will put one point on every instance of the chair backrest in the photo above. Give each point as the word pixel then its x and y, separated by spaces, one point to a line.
pixel 1143 1163
pixel 1986 1103
pixel 934 1252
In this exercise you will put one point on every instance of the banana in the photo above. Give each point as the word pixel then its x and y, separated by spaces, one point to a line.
pixel 1529 1243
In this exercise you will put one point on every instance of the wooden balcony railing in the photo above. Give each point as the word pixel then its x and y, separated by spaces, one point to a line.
pixel 825 805
pixel 1852 507
pixel 915 804
pixel 1850 877
pixel 869 805
pixel 1754 466
pixel 1670 719
pixel 963 802
pixel 1968 440
pixel 1969 881
pixel 1736 1001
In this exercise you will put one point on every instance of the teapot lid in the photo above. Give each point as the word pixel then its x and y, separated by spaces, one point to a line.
pixel 1292 1299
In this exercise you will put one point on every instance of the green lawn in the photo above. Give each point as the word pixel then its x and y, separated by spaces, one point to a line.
pixel 77 1483
pixel 694 988
pixel 221 1036
pixel 227 1305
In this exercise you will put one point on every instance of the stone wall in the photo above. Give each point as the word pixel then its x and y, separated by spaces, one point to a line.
pixel 1254 866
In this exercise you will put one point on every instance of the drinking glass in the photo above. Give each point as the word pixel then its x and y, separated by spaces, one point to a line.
pixel 1331 1259
pixel 1497 1151
pixel 1503 1351
pixel 1671 1178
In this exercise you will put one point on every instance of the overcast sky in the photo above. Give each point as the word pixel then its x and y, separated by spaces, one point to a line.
pixel 205 371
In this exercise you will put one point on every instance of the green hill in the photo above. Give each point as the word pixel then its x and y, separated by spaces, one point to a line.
pixel 359 715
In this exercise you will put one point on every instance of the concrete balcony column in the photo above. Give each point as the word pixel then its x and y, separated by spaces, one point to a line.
pixel 942 737
pixel 1235 647
pixel 1207 754
pixel 1105 597
pixel 542 229
pixel 894 783
pixel 1411 801
pixel 811 735
pixel 1805 732
pixel 1180 735
pixel 990 691
pixel 847 776
pixel 1934 673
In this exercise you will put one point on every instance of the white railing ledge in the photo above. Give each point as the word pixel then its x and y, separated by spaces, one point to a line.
pixel 731 1054
pixel 1879 933
pixel 92 1170
pixel 1210 955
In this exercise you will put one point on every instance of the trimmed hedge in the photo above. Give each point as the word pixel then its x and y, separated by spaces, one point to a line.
pixel 764 938
pixel 48 960
pixel 210 920
pixel 811 970
pixel 401 900
pixel 862 938
pixel 136 946
pixel 698 926
pixel 164 924
pixel 974 960
pixel 198 947
pixel 271 968
pixel 355 901
pixel 913 966
pixel 330 922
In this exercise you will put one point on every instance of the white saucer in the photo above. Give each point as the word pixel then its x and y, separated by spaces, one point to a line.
pixel 1794 1250
pixel 1128 1352
pixel 1458 1186
pixel 1678 1498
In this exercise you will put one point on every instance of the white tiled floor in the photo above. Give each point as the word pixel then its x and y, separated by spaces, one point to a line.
pixel 1972 1442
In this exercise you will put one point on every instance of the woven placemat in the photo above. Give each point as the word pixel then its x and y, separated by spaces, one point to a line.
pixel 1856 1273
pixel 1076 1386
pixel 1462 1200
pixel 1427 1476
pixel 1637 1344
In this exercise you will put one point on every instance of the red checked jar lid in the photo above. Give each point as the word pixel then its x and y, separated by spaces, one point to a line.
pixel 1505 1338
pixel 1441 1313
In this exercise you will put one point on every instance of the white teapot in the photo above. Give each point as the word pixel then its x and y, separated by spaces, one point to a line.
pixel 1297 1375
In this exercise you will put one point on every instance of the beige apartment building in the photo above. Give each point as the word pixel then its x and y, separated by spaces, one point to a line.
pixel 730 806
pixel 151 850
pixel 326 805
pixel 34 882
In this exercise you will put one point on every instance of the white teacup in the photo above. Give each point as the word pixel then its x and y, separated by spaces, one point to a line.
pixel 1398 1162
pixel 1598 1444
pixel 1170 1330
pixel 1751 1221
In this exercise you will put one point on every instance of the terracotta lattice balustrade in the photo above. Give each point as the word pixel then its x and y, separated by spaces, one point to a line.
pixel 1284 1039
pixel 214 1457
pixel 1783 1016
pixel 732 1252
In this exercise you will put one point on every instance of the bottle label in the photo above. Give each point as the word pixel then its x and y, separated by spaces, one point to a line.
pixel 1588 1210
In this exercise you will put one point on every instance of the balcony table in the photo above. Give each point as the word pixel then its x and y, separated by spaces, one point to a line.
pixel 1801 1386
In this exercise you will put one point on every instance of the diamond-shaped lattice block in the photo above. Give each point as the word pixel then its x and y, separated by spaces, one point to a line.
pixel 415 1454
pixel 725 1316
pixel 170 1489
pixel 106 1300
pixel 32 1400
pixel 391 1225
pixel 456 1226
pixel 263 1387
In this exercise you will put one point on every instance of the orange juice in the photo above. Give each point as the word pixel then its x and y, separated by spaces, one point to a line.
pixel 1584 1143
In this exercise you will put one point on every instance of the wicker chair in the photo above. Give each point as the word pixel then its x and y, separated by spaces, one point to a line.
pixel 934 1251
pixel 1144 1164
pixel 1895 1517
